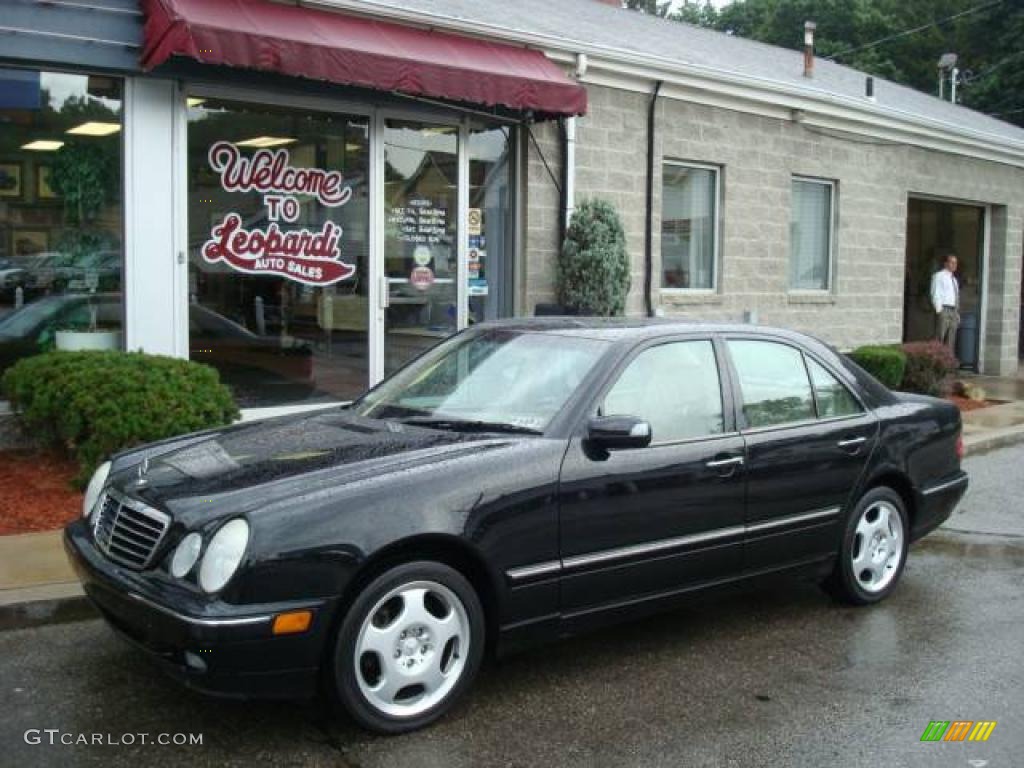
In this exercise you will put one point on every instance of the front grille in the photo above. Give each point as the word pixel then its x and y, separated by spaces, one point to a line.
pixel 128 531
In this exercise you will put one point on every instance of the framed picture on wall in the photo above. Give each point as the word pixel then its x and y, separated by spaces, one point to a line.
pixel 10 180
pixel 43 189
pixel 28 242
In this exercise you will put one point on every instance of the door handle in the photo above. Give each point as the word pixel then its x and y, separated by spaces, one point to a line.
pixel 729 464
pixel 852 444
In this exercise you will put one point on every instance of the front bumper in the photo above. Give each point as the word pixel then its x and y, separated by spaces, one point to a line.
pixel 936 502
pixel 213 647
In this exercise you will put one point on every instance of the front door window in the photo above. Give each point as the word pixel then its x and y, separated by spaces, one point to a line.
pixel 421 177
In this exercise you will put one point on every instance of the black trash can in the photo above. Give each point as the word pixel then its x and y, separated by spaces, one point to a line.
pixel 967 340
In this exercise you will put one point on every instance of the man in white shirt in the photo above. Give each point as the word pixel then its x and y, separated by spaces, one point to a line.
pixel 946 300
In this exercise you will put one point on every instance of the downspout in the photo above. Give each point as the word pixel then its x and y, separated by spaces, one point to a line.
pixel 567 136
pixel 569 186
pixel 649 223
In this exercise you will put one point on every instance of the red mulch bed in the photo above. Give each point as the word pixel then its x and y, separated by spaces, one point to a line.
pixel 966 404
pixel 36 492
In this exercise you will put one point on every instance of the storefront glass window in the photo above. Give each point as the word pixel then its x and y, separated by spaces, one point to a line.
pixel 279 250
pixel 61 251
pixel 489 224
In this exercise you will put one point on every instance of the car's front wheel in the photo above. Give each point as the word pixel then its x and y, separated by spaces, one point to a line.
pixel 409 646
pixel 874 549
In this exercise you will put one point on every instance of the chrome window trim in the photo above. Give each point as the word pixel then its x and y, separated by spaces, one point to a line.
pixel 689 440
pixel 961 480
pixel 803 423
pixel 225 622
pixel 551 567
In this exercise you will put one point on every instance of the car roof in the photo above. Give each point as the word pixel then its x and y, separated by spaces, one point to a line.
pixel 632 328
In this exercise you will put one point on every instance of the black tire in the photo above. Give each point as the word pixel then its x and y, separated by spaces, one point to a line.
pixel 843 583
pixel 343 672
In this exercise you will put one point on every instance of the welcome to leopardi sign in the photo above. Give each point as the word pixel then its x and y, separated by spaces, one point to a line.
pixel 308 256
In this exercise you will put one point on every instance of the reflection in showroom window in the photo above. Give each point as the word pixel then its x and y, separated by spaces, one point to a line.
pixel 60 213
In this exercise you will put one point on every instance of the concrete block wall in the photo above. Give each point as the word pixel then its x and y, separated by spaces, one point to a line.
pixel 757 157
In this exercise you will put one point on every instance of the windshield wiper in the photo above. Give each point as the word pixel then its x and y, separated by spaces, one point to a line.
pixel 470 425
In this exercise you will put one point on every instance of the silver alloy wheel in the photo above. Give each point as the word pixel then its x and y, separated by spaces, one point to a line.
pixel 877 546
pixel 412 648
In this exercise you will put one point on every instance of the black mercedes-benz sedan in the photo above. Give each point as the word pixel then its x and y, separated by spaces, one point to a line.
pixel 522 481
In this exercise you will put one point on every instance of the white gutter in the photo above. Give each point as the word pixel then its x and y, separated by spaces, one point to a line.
pixel 862 113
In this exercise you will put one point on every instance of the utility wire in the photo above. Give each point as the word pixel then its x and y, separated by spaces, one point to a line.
pixel 989 70
pixel 915 30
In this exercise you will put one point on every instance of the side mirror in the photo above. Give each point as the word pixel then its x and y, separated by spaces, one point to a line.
pixel 618 432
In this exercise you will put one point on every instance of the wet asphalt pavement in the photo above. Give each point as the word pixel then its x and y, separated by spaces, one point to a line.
pixel 781 676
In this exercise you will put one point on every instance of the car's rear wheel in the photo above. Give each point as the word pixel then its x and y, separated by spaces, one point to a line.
pixel 874 549
pixel 409 646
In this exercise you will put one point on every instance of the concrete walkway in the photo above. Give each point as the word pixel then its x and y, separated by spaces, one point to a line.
pixel 997 425
pixel 37 584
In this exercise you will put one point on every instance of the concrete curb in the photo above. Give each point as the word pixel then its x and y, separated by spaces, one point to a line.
pixel 43 611
pixel 992 439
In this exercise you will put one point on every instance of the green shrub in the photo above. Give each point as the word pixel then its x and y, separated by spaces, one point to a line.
pixel 593 271
pixel 887 364
pixel 92 404
pixel 930 368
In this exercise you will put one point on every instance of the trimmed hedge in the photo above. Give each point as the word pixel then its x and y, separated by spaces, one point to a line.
pixel 93 404
pixel 887 364
pixel 930 368
pixel 593 269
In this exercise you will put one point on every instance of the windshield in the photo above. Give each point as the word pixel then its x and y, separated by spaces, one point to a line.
pixel 502 377
pixel 22 322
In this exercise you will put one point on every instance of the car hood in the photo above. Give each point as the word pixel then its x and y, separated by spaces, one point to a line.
pixel 248 466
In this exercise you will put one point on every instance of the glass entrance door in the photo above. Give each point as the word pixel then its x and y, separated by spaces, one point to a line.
pixel 424 293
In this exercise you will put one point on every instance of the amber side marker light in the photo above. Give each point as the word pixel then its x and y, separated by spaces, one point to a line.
pixel 292 623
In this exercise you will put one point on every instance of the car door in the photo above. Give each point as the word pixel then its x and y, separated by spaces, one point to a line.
pixel 807 438
pixel 643 522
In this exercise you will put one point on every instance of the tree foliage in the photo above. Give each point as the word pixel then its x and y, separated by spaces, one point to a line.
pixel 987 39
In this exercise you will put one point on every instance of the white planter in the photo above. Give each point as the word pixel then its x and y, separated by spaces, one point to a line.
pixel 78 341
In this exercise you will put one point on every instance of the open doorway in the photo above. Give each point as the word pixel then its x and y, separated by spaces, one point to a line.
pixel 935 228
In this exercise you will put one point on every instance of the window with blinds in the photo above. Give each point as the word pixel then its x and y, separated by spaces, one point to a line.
pixel 810 235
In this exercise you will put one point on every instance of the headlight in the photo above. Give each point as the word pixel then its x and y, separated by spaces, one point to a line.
pixel 185 555
pixel 223 554
pixel 95 487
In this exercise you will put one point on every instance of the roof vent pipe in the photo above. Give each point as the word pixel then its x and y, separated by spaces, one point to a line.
pixel 869 88
pixel 809 27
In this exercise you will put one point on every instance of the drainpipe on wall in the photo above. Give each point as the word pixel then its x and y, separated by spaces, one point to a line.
pixel 649 223
pixel 564 200
pixel 569 203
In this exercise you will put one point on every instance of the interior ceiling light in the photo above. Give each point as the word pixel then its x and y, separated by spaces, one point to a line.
pixel 95 129
pixel 43 145
pixel 262 142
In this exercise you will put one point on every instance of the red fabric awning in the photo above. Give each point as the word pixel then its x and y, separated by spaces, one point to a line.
pixel 323 45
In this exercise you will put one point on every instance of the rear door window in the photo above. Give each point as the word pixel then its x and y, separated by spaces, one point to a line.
pixel 834 399
pixel 773 380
